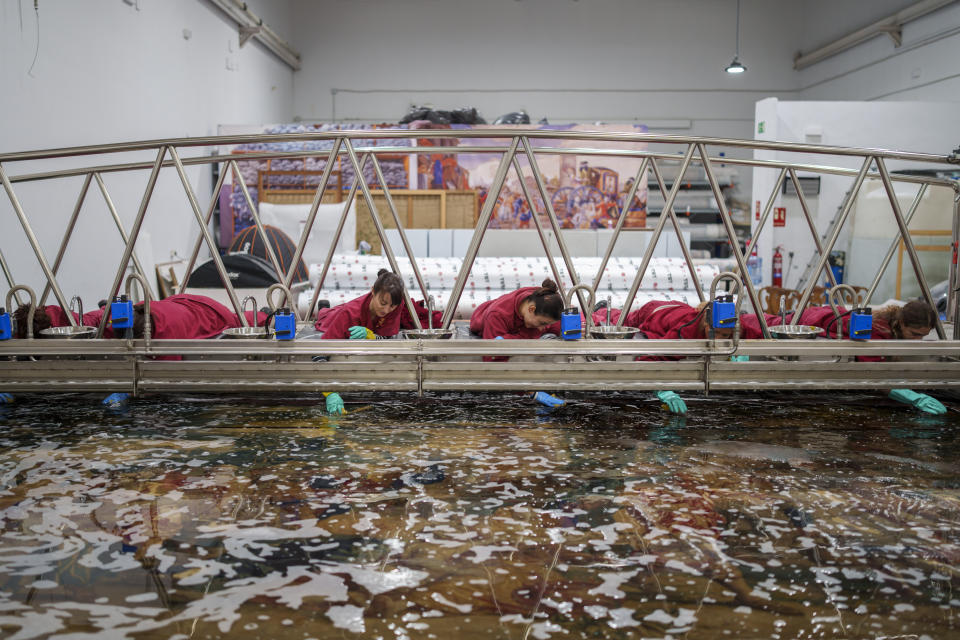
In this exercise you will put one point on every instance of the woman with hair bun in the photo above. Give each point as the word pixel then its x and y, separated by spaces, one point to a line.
pixel 524 314
pixel 372 316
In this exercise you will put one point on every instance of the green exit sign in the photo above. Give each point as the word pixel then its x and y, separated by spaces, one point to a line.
pixel 761 126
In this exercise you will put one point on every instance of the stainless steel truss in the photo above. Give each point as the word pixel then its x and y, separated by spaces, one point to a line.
pixel 455 364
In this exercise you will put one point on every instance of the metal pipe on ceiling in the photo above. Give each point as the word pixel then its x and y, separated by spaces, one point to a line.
pixel 891 25
pixel 252 25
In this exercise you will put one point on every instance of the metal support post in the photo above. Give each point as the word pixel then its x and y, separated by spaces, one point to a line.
pixel 748 245
pixel 953 300
pixel 908 243
pixel 536 220
pixel 834 234
pixel 813 227
pixel 495 187
pixel 123 234
pixel 66 235
pixel 391 258
pixel 676 226
pixel 732 236
pixel 208 237
pixel 11 283
pixel 336 236
pixel 199 241
pixel 893 247
pixel 134 233
pixel 312 216
pixel 35 243
pixel 652 245
pixel 641 175
pixel 552 216
pixel 271 254
pixel 396 220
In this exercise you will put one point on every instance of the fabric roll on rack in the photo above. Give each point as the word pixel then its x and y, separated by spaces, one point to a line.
pixel 351 276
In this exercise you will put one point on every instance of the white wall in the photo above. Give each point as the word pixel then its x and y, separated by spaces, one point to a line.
pixel 658 62
pixel 922 68
pixel 107 71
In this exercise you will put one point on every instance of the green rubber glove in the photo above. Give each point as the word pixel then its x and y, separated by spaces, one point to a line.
pixel 918 400
pixel 335 403
pixel 739 358
pixel 674 403
pixel 359 333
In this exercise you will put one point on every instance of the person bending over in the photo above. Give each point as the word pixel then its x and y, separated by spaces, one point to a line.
pixel 524 314
pixel 374 315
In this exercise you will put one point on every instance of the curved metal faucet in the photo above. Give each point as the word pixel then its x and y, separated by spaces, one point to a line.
pixel 587 313
pixel 836 312
pixel 79 302
pixel 609 305
pixel 430 312
pixel 727 275
pixel 32 309
pixel 286 292
pixel 243 306
pixel 147 325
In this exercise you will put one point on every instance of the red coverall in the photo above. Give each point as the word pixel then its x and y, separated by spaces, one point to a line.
pixel 336 322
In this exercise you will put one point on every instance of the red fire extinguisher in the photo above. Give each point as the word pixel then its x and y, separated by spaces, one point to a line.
pixel 777 268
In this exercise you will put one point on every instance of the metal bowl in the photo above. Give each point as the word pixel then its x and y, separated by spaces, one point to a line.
pixel 69 333
pixel 608 332
pixel 794 332
pixel 246 332
pixel 427 334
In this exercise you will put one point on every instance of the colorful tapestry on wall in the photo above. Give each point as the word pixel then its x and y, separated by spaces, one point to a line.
pixel 585 191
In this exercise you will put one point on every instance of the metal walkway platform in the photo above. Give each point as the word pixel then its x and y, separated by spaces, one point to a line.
pixel 437 365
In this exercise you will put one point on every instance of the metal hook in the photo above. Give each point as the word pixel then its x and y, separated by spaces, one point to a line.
pixel 588 313
pixel 243 305
pixel 31 310
pixel 147 325
pixel 836 312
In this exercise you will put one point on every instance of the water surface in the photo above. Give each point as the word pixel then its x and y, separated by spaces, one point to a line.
pixel 478 516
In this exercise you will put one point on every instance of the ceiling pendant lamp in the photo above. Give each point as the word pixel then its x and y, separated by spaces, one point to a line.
pixel 736 66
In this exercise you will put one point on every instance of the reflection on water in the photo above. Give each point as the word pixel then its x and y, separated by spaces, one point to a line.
pixel 478 516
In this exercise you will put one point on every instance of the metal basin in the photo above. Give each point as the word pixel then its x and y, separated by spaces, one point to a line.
pixel 794 332
pixel 246 332
pixel 607 332
pixel 69 333
pixel 427 334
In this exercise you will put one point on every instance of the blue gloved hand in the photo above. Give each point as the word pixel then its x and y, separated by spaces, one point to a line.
pixel 919 400
pixel 673 402
pixel 739 358
pixel 548 400
pixel 335 404
pixel 6 398
pixel 116 399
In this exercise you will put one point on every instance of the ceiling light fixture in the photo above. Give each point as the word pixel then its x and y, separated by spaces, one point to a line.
pixel 736 66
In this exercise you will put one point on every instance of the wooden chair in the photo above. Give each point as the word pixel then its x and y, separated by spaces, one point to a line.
pixel 770 298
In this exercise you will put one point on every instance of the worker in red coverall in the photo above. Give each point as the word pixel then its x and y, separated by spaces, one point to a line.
pixel 183 316
pixel 912 321
pixel 374 315
pixel 524 314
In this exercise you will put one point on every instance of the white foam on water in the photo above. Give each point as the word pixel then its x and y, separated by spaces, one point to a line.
pixel 147 596
pixel 462 608
pixel 903 607
pixel 347 617
pixel 241 541
pixel 622 617
pixel 610 586
pixel 484 552
pixel 376 581
pixel 596 611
